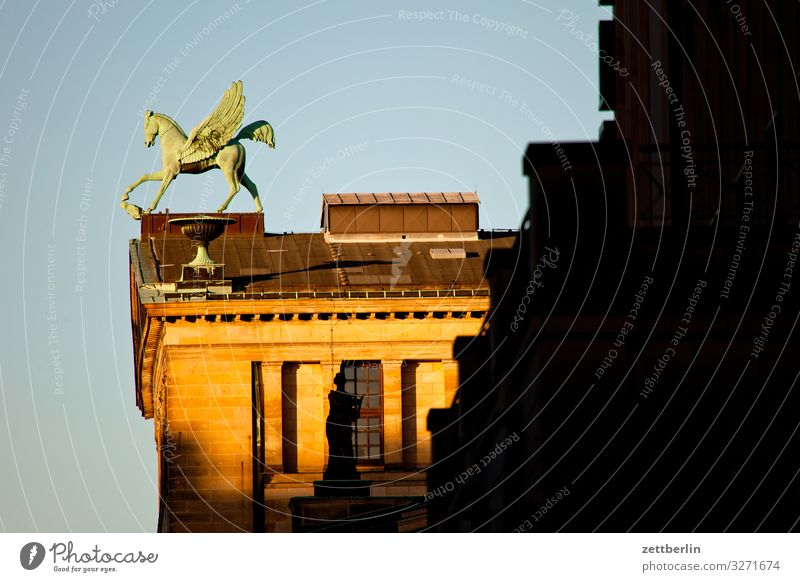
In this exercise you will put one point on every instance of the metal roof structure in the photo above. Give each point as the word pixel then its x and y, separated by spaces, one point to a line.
pixel 401 198
pixel 285 265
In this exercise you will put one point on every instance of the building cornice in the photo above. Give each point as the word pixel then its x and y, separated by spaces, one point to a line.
pixel 355 305
pixel 157 316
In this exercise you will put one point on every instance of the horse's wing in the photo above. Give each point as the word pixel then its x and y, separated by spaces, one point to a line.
pixel 216 130
pixel 258 131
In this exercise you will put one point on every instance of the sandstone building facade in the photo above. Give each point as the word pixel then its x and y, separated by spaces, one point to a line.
pixel 235 365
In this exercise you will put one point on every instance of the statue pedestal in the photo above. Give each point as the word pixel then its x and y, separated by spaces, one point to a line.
pixel 345 505
pixel 358 514
pixel 342 488
pixel 193 273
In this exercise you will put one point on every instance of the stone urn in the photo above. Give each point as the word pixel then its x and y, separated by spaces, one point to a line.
pixel 201 230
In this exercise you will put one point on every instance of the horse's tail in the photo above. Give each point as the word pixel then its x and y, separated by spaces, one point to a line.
pixel 258 131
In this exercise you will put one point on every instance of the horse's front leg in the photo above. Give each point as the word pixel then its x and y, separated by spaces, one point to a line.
pixel 165 182
pixel 155 176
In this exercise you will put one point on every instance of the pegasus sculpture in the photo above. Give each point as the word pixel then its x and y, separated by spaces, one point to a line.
pixel 209 145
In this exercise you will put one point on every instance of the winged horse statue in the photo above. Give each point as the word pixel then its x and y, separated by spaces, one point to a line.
pixel 209 145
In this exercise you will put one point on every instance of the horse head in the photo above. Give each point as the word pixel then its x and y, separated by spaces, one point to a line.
pixel 150 128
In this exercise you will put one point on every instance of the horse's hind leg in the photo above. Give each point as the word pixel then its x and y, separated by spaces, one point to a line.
pixel 233 182
pixel 251 187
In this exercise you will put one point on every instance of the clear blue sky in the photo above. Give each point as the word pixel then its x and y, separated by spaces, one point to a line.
pixel 365 96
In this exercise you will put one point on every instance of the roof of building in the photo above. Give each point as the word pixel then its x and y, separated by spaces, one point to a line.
pixel 401 198
pixel 277 264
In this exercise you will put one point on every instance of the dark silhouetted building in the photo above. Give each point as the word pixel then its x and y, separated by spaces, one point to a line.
pixel 638 368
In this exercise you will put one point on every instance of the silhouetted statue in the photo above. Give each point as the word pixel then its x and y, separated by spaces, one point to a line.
pixel 345 410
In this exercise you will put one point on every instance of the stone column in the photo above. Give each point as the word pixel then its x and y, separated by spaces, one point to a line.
pixel 430 389
pixel 310 418
pixel 392 414
pixel 451 381
pixel 328 371
pixel 273 413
